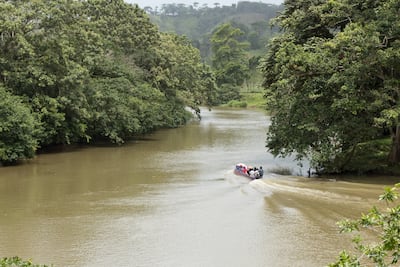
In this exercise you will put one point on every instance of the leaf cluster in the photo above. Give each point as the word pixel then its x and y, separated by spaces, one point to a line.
pixel 385 224
pixel 17 262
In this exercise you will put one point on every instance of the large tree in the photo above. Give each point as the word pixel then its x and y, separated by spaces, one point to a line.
pixel 181 75
pixel 331 78
pixel 229 60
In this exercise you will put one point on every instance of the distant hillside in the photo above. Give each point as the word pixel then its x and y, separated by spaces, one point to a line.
pixel 197 22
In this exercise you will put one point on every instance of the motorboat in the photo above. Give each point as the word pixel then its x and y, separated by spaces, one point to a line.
pixel 248 171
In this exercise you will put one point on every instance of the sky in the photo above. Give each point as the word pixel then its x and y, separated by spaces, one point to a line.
pixel 210 3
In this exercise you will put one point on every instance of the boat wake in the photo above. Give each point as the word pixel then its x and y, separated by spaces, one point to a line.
pixel 302 187
pixel 332 191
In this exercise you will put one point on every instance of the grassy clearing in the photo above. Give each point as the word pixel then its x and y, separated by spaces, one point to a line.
pixel 254 100
pixel 248 100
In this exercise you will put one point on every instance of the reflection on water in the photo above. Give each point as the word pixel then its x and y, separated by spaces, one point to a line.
pixel 171 199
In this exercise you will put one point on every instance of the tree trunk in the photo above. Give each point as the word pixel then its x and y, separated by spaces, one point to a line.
pixel 394 156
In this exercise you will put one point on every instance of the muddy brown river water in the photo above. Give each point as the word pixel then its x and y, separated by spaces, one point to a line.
pixel 172 199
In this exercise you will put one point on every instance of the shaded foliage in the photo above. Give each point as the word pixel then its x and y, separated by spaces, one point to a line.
pixel 18 129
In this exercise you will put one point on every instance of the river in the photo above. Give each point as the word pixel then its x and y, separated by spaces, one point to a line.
pixel 171 199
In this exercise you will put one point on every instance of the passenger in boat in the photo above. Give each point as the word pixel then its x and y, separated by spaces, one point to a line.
pixel 244 170
pixel 252 173
pixel 256 173
pixel 261 171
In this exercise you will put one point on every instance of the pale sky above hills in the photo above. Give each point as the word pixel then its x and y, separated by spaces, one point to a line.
pixel 210 3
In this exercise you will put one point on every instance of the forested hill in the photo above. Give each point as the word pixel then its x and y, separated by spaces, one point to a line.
pixel 197 22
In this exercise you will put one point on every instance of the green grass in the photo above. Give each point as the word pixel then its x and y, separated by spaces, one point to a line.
pixel 254 99
pixel 248 100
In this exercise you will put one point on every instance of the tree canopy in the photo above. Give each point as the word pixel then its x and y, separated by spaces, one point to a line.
pixel 82 71
pixel 229 60
pixel 332 79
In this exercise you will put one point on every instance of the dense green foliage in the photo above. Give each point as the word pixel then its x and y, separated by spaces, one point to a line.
pixel 17 128
pixel 80 71
pixel 229 61
pixel 332 79
pixel 384 224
